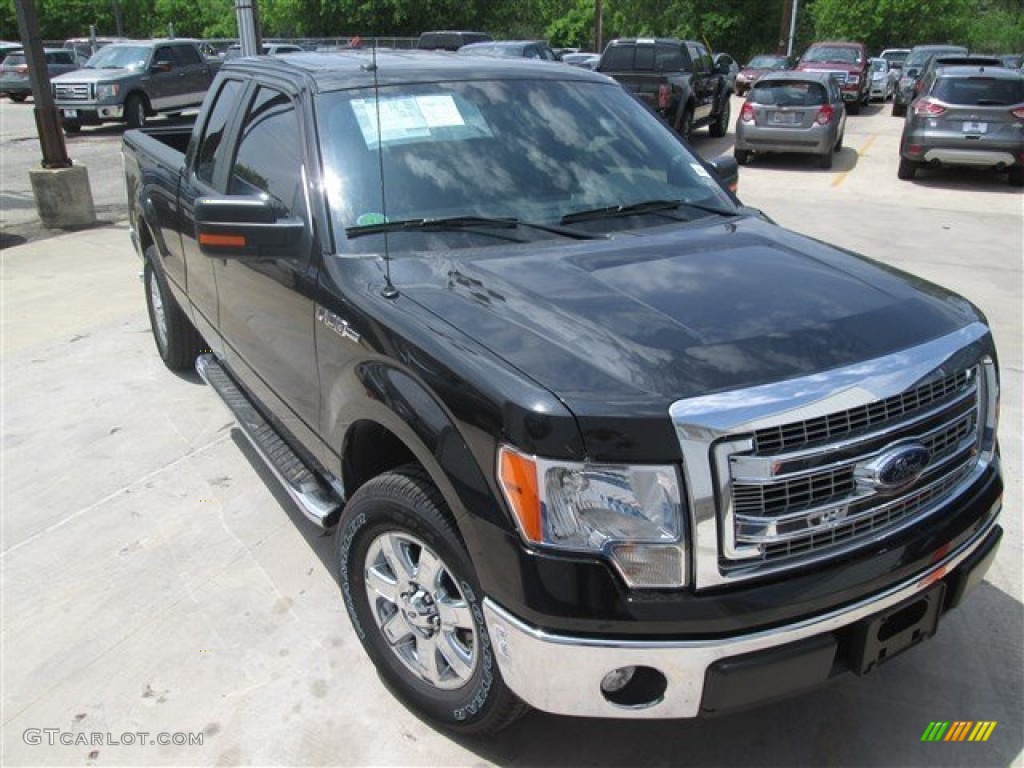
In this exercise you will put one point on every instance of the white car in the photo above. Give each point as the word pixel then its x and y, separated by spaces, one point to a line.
pixel 882 85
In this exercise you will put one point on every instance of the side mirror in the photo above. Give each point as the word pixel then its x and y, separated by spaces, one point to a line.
pixel 243 227
pixel 727 170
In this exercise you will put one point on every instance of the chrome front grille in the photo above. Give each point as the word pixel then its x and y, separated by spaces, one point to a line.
pixel 821 493
pixel 835 426
pixel 784 475
pixel 72 91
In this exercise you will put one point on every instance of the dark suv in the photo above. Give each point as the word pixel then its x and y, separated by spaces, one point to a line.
pixel 450 40
pixel 913 69
pixel 966 116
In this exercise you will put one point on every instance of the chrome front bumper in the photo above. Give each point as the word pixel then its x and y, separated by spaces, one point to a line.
pixel 562 674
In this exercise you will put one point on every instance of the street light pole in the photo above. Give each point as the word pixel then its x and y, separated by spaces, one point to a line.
pixel 51 138
pixel 792 27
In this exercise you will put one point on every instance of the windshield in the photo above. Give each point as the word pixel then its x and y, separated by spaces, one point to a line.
pixel 119 57
pixel 833 53
pixel 767 62
pixel 878 65
pixel 531 150
pixel 895 57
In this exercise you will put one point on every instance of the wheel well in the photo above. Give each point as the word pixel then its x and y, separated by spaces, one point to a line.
pixel 142 95
pixel 369 451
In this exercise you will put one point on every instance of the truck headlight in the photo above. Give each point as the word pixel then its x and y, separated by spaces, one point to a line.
pixel 107 90
pixel 630 514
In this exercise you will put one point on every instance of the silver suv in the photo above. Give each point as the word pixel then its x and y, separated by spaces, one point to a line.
pixel 967 116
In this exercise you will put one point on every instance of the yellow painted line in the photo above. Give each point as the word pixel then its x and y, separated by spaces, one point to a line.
pixel 860 153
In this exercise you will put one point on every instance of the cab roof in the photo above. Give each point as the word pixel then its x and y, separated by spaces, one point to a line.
pixel 333 71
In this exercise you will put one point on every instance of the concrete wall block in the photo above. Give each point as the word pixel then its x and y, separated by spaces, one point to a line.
pixel 63 197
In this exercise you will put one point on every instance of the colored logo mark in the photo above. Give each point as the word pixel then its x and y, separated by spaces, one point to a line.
pixel 959 730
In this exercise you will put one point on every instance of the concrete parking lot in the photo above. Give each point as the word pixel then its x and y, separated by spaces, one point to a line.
pixel 156 580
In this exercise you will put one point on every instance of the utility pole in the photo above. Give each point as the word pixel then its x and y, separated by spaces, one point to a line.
pixel 792 27
pixel 51 138
pixel 787 15
pixel 247 15
pixel 62 192
pixel 598 27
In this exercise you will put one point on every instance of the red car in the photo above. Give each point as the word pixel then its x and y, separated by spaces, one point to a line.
pixel 848 63
pixel 758 67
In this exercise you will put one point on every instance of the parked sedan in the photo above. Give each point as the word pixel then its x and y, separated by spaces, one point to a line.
pixel 881 86
pixel 967 116
pixel 756 69
pixel 792 112
pixel 14 81
pixel 528 49
pixel 583 60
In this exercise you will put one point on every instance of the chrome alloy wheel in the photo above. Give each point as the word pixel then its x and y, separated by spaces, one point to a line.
pixel 159 315
pixel 421 611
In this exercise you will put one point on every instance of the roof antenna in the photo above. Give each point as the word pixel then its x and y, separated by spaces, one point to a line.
pixel 389 291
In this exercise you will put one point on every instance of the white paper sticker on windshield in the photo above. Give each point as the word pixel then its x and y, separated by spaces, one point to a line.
pixel 440 110
pixel 408 117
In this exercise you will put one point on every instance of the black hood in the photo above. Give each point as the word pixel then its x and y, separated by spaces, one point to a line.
pixel 626 327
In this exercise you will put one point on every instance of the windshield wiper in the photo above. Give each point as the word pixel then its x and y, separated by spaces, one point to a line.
pixel 647 206
pixel 464 222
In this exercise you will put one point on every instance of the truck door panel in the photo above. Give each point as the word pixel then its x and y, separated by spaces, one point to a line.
pixel 266 307
pixel 206 174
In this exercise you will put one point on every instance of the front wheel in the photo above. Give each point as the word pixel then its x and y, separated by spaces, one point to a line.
pixel 742 156
pixel 176 338
pixel 1016 175
pixel 415 603
pixel 853 107
pixel 17 97
pixel 71 126
pixel 135 111
pixel 898 110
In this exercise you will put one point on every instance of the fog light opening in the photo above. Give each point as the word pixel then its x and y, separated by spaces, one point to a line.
pixel 634 687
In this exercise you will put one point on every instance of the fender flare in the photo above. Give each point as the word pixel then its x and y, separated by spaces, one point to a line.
pixel 396 401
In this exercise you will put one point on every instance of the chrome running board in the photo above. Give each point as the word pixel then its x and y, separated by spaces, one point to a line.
pixel 317 501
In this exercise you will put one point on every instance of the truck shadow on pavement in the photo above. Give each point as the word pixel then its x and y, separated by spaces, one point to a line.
pixel 878 720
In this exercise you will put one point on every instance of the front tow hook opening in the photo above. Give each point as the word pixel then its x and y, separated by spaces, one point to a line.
pixel 634 687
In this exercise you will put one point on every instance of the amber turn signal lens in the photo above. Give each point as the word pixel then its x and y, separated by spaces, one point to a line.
pixel 518 475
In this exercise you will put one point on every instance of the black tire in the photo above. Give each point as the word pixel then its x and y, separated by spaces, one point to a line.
pixel 742 156
pixel 135 111
pixel 839 144
pixel 898 110
pixel 1015 175
pixel 907 169
pixel 853 107
pixel 825 160
pixel 17 97
pixel 686 124
pixel 720 127
pixel 403 513
pixel 71 126
pixel 176 338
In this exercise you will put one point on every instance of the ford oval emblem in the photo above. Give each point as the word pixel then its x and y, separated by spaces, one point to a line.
pixel 896 467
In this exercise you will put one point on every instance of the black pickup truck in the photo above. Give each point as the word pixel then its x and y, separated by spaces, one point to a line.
pixel 676 78
pixel 593 436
